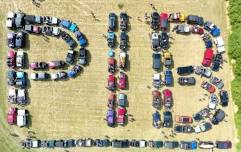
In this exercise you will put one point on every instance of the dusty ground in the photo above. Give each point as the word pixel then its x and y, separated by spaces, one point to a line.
pixel 76 108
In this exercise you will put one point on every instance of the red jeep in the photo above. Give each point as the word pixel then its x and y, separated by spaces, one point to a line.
pixel 12 115
pixel 164 21
pixel 121 116
pixel 111 82
pixel 111 100
pixel 111 65
pixel 11 59
pixel 168 100
pixel 122 81
pixel 208 57
pixel 156 99
pixel 208 86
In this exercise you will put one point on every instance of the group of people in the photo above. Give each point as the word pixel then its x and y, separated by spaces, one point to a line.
pixel 36 2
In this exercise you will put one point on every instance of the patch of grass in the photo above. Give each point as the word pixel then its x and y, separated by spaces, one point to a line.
pixel 120 5
pixel 235 53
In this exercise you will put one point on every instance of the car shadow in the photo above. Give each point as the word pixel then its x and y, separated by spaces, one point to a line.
pixel 29 120
pixel 26 61
pixel 27 41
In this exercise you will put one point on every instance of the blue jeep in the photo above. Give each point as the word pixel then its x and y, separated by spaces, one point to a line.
pixel 111 38
pixel 81 38
pixel 73 27
pixel 65 24
pixel 168 77
pixel 112 21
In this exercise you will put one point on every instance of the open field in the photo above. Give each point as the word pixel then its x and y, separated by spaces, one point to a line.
pixel 76 108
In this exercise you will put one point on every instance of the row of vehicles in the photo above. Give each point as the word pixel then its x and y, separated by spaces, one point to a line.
pixel 17 117
pixel 30 24
pixel 160 42
pixel 125 143
pixel 60 75
pixel 18 60
pixel 114 118
pixel 203 126
pixel 122 82
pixel 210 86
pixel 121 117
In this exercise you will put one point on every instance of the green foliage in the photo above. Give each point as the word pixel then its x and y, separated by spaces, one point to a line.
pixel 234 12
pixel 235 44
pixel 235 53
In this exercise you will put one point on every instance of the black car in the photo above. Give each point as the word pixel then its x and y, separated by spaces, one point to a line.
pixel 185 70
pixel 201 114
pixel 11 39
pixel 83 56
pixel 183 129
pixel 186 80
pixel 29 19
pixel 70 56
pixel 112 21
pixel 217 62
pixel 155 144
pixel 123 40
pixel 102 143
pixel 156 64
pixel 223 144
pixel 155 20
pixel 164 40
pixel 47 30
pixel 194 19
pixel 223 98
pixel 120 143
pixel 134 143
pixel 218 116
pixel 20 40
pixel 123 21
pixel 68 39
pixel 167 119
pixel 171 144
pixel 69 143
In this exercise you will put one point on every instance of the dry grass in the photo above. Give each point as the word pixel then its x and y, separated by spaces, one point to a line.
pixel 76 108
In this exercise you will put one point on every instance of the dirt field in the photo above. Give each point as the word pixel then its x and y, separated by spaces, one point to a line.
pixel 76 108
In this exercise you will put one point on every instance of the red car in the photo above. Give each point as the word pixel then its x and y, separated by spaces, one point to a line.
pixel 111 65
pixel 111 100
pixel 197 29
pixel 122 81
pixel 183 119
pixel 11 59
pixel 208 57
pixel 12 116
pixel 56 64
pixel 121 116
pixel 156 99
pixel 208 86
pixel 164 23
pixel 111 82
pixel 168 100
